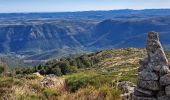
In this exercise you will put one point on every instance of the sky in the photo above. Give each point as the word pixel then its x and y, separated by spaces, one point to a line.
pixel 7 6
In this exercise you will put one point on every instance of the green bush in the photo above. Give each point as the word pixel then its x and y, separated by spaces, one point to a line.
pixel 57 71
pixel 31 77
pixel 3 69
pixel 50 93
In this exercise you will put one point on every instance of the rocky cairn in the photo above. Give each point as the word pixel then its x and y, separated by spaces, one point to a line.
pixel 154 75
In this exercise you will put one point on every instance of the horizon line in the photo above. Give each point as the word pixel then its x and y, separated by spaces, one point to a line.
pixel 29 12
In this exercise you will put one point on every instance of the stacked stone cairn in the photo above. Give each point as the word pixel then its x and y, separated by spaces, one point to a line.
pixel 154 75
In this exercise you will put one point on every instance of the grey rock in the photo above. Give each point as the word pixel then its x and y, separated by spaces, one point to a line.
pixel 144 92
pixel 154 67
pixel 47 82
pixel 165 80
pixel 164 70
pixel 126 96
pixel 125 86
pixel 164 98
pixel 155 51
pixel 148 76
pixel 167 90
pixel 160 93
pixel 154 74
pixel 143 61
pixel 150 85
pixel 143 98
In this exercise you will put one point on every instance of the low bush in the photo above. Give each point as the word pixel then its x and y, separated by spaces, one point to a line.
pixel 51 94
pixel 36 87
pixel 31 77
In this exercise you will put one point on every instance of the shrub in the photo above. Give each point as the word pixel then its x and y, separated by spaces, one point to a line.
pixel 51 93
pixel 57 71
pixel 36 87
pixel 109 93
pixel 31 77
pixel 3 69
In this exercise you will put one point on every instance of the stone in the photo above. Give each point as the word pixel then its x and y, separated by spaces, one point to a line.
pixel 148 76
pixel 165 80
pixel 163 98
pixel 154 72
pixel 47 82
pixel 150 85
pixel 143 61
pixel 126 96
pixel 125 87
pixel 144 98
pixel 164 70
pixel 156 55
pixel 167 90
pixel 160 93
pixel 144 92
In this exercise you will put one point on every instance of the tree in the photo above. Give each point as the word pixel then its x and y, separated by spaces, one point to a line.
pixel 42 71
pixel 66 68
pixel 57 71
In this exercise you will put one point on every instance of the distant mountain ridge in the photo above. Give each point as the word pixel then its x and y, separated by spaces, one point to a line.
pixel 89 14
pixel 44 35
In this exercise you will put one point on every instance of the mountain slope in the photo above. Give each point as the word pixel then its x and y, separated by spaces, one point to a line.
pixel 37 37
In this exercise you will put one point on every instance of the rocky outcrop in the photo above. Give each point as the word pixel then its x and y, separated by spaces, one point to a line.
pixel 154 75
pixel 127 89
pixel 46 82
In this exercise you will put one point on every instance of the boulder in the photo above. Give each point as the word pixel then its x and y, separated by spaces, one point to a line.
pixel 167 90
pixel 148 76
pixel 144 92
pixel 160 93
pixel 163 98
pixel 164 70
pixel 143 98
pixel 165 80
pixel 150 85
pixel 154 49
pixel 125 87
pixel 47 82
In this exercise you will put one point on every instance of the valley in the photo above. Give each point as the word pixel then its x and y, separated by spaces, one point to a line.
pixel 38 37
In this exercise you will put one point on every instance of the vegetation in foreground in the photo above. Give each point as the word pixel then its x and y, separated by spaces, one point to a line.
pixel 88 77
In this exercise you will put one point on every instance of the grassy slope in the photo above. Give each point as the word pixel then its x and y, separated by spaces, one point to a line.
pixel 94 83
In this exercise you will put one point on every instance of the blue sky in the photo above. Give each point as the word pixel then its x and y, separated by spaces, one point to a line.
pixel 78 5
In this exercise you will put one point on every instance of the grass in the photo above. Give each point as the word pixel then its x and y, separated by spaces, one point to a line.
pixel 51 94
pixel 83 79
pixel 6 84
pixel 31 77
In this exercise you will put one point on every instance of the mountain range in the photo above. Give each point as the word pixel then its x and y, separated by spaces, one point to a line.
pixel 43 36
